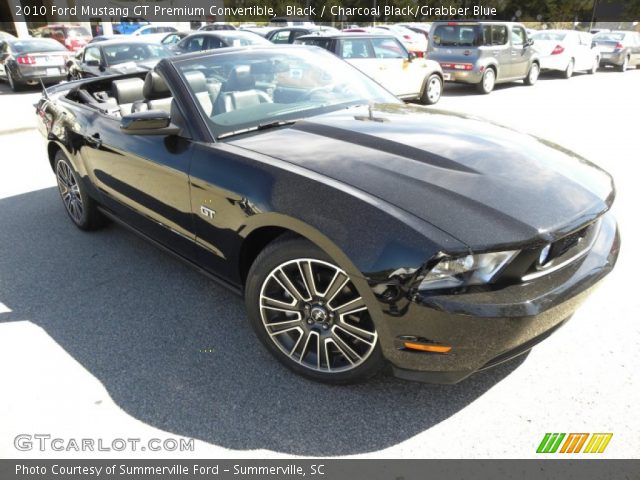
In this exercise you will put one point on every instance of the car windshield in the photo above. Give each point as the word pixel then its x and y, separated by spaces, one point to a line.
pixel 456 35
pixel 242 39
pixel 77 32
pixel 609 37
pixel 247 90
pixel 554 36
pixel 40 45
pixel 134 52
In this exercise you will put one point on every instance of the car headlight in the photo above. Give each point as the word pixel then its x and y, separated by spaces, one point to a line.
pixel 476 269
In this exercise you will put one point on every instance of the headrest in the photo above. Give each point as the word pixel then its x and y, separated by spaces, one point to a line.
pixel 128 90
pixel 155 87
pixel 196 80
pixel 240 79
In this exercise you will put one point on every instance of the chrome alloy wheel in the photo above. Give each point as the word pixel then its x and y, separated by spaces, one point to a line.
pixel 313 313
pixel 69 191
pixel 434 90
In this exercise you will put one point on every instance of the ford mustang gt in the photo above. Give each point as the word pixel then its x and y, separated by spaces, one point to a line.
pixel 360 230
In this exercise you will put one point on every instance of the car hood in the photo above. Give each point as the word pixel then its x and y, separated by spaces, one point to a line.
pixel 482 183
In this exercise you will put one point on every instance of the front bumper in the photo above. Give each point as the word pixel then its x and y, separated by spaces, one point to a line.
pixel 489 327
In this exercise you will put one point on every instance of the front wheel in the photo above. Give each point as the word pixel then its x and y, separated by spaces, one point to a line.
pixel 488 81
pixel 432 90
pixel 532 76
pixel 309 314
pixel 79 206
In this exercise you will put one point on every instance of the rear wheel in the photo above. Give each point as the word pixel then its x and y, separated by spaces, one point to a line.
pixel 79 206
pixel 569 70
pixel 488 81
pixel 625 64
pixel 13 84
pixel 532 76
pixel 432 90
pixel 308 313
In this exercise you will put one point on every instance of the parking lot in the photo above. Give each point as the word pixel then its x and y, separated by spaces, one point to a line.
pixel 104 336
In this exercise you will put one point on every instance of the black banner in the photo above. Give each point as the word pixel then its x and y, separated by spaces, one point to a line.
pixel 320 11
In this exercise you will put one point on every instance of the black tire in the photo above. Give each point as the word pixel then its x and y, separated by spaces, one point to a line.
pixel 13 84
pixel 80 207
pixel 533 74
pixel 432 90
pixel 310 330
pixel 569 70
pixel 488 81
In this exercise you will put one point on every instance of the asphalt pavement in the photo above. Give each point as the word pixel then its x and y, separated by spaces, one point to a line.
pixel 103 336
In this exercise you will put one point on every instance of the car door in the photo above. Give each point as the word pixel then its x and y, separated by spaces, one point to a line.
pixel 144 179
pixel 91 62
pixel 495 42
pixel 396 72
pixel 520 53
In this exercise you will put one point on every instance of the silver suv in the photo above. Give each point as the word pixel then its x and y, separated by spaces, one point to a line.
pixel 484 53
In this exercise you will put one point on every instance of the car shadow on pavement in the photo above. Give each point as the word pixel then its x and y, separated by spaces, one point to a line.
pixel 452 89
pixel 175 351
pixel 5 89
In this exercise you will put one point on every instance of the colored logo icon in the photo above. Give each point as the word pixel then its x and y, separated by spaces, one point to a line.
pixel 574 442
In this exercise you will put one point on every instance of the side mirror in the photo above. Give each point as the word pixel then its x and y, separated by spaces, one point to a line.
pixel 529 42
pixel 151 122
pixel 412 56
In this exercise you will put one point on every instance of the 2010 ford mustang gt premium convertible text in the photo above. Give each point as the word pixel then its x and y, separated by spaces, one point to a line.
pixel 360 230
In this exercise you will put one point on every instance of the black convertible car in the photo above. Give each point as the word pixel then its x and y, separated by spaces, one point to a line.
pixel 359 229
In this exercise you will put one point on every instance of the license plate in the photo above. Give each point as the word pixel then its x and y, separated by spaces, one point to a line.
pixel 53 71
pixel 447 76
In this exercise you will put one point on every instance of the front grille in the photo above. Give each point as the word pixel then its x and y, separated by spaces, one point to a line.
pixel 562 246
pixel 564 251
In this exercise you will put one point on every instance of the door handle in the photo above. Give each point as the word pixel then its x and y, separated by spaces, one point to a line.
pixel 94 140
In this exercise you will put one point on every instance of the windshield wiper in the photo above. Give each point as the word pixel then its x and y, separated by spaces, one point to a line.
pixel 260 126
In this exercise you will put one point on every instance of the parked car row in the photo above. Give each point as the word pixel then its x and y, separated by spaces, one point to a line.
pixel 488 53
pixel 473 52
